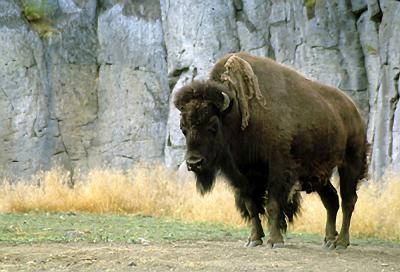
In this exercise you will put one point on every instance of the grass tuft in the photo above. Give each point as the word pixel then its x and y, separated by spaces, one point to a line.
pixel 40 14
pixel 155 191
pixel 310 8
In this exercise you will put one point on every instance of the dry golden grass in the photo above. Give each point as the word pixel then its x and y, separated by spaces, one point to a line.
pixel 153 190
pixel 149 190
pixel 376 215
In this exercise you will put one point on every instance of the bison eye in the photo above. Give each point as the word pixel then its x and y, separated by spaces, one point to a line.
pixel 213 125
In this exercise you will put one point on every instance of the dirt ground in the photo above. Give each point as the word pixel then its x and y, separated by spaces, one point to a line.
pixel 197 256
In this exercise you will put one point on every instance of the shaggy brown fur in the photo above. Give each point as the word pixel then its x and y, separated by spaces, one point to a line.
pixel 290 138
pixel 240 78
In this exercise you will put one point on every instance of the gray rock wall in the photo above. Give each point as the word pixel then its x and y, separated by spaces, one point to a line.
pixel 24 95
pixel 89 83
pixel 385 106
pixel 84 87
pixel 132 86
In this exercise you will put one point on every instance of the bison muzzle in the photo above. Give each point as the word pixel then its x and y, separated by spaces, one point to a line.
pixel 273 133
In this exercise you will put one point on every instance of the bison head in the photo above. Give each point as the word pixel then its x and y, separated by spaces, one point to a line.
pixel 202 106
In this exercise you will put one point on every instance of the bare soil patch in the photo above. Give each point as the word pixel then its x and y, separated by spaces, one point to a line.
pixel 298 255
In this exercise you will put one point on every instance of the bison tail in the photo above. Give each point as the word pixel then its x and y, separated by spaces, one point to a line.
pixel 366 160
pixel 360 159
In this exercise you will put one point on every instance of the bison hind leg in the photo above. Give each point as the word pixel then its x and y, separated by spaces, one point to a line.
pixel 330 199
pixel 348 187
pixel 351 172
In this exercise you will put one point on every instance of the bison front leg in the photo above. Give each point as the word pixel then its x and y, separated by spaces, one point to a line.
pixel 257 231
pixel 275 239
pixel 249 210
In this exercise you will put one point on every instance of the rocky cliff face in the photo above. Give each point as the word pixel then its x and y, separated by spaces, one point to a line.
pixel 87 84
pixel 86 87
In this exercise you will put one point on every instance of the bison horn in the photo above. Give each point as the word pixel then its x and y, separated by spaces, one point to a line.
pixel 226 103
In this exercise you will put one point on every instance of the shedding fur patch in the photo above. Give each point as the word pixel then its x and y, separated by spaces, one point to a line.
pixel 240 77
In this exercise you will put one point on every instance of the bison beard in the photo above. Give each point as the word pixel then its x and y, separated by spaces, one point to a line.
pixel 274 133
pixel 205 181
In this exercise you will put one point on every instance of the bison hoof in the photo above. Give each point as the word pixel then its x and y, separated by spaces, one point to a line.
pixel 253 243
pixel 329 244
pixel 273 245
pixel 340 247
pixel 333 245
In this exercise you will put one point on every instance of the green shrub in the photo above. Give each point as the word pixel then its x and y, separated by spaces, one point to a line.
pixel 371 50
pixel 310 6
pixel 40 14
pixel 310 3
pixel 35 10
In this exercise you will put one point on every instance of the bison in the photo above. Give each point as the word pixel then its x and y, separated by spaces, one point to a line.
pixel 273 133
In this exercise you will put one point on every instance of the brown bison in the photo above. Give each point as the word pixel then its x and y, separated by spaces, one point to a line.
pixel 273 133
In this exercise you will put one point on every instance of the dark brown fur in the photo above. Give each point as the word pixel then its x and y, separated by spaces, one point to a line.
pixel 291 143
